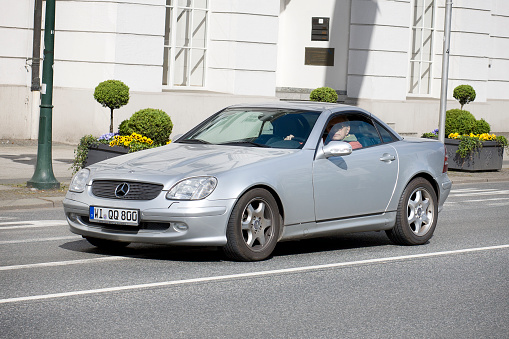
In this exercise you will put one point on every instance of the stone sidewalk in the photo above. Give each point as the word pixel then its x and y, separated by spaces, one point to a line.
pixel 18 159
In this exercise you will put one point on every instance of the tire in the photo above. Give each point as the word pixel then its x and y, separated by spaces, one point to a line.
pixel 253 227
pixel 107 244
pixel 417 214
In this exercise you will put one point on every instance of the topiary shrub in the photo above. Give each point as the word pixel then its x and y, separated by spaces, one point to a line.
pixel 459 121
pixel 112 94
pixel 123 128
pixel 481 126
pixel 324 94
pixel 464 94
pixel 152 123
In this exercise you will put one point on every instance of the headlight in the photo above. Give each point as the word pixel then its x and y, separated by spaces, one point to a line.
pixel 192 189
pixel 79 181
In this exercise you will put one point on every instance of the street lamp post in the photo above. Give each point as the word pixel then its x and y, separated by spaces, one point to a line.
pixel 445 70
pixel 43 177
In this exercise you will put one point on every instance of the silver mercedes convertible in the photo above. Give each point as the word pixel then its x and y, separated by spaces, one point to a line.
pixel 252 175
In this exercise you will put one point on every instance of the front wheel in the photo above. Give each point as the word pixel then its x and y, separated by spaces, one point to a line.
pixel 417 214
pixel 253 228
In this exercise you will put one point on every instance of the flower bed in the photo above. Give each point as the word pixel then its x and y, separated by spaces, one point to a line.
pixel 487 158
pixel 475 152
pixel 92 150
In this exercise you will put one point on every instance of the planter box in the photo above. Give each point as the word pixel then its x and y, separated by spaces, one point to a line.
pixel 488 158
pixel 100 152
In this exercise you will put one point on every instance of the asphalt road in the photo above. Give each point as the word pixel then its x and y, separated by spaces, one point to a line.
pixel 54 284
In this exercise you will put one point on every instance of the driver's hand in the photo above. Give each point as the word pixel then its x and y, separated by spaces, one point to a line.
pixel 290 137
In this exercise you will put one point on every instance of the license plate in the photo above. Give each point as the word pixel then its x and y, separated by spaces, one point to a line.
pixel 118 216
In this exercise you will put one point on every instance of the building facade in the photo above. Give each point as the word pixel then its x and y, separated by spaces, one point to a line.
pixel 193 57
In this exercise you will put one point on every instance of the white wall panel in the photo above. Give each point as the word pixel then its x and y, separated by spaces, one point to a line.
pixel 500 7
pixel 221 54
pixel 255 56
pixel 82 74
pixel 86 16
pixel 470 68
pixel 15 42
pixel 379 63
pixel 499 71
pixel 377 88
pixel 243 27
pixel 85 46
pixel 499 90
pixel 255 83
pixel 134 49
pixel 14 71
pixel 263 7
pixel 382 38
pixel 140 78
pixel 500 26
pixel 388 13
pixel 499 48
pixel 140 19
pixel 17 13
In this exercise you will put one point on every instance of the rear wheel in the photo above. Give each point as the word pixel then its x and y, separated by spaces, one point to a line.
pixel 417 214
pixel 253 228
pixel 107 244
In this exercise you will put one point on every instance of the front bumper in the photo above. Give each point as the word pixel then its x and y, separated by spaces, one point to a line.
pixel 200 223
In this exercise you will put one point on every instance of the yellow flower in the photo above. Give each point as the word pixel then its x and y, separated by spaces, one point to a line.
pixel 113 143
pixel 149 141
pixel 168 142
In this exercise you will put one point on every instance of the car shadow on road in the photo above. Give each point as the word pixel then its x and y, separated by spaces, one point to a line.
pixel 215 254
pixel 332 243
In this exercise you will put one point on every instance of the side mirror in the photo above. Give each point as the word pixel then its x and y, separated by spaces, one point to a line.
pixel 337 149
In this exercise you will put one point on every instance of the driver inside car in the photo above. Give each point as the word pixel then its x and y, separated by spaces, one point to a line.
pixel 338 129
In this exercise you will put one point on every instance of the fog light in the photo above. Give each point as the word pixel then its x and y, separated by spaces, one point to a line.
pixel 179 226
pixel 73 217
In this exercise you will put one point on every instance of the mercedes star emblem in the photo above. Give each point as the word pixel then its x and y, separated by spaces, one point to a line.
pixel 122 190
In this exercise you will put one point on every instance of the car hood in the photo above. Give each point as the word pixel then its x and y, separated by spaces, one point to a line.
pixel 173 162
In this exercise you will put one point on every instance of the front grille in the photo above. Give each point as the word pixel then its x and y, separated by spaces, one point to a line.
pixel 137 190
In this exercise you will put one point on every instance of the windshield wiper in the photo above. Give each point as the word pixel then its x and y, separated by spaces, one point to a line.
pixel 244 143
pixel 194 141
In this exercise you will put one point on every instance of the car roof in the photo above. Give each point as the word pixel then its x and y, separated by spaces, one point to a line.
pixel 311 105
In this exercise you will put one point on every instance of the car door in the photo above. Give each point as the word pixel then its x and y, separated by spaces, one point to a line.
pixel 359 184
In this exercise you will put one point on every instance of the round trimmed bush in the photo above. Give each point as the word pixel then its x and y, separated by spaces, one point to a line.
pixel 481 126
pixel 324 94
pixel 459 121
pixel 123 128
pixel 112 94
pixel 150 122
pixel 464 94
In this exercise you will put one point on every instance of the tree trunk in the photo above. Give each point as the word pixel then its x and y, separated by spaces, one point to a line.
pixel 111 121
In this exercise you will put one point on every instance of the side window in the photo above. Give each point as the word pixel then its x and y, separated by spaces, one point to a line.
pixel 356 129
pixel 386 135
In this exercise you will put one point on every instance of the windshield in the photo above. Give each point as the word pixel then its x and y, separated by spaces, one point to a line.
pixel 256 127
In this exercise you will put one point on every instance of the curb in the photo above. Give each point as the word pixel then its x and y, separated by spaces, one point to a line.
pixel 42 202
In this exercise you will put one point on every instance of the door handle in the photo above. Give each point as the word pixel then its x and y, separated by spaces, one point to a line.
pixel 386 157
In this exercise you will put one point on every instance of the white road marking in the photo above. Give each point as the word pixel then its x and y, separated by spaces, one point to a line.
pixel 469 194
pixel 246 275
pixel 488 199
pixel 472 190
pixel 62 263
pixel 75 237
pixel 31 224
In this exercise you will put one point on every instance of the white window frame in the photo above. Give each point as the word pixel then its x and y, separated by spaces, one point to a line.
pixel 420 62
pixel 173 46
